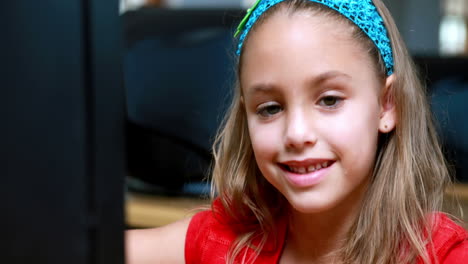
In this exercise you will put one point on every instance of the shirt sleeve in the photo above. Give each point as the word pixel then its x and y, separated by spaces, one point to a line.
pixel 195 237
pixel 458 254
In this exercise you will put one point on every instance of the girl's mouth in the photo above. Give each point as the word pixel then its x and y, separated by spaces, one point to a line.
pixel 305 169
pixel 306 174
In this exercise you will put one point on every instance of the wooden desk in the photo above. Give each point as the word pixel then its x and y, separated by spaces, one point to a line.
pixel 461 190
pixel 143 210
pixel 151 211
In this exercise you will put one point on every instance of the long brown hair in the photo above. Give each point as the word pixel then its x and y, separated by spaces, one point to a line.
pixel 410 172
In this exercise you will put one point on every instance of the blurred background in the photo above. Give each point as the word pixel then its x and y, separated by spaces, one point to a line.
pixel 112 107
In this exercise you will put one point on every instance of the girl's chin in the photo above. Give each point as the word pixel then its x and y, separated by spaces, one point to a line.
pixel 311 205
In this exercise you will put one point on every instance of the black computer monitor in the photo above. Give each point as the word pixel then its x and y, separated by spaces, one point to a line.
pixel 61 198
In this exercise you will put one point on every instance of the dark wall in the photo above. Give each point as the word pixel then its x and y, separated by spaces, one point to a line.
pixel 418 22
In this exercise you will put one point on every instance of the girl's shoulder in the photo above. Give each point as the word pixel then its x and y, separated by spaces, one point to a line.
pixel 210 224
pixel 450 240
pixel 212 233
pixel 209 236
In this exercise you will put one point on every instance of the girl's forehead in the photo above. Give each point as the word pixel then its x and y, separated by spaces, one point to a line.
pixel 341 27
pixel 285 43
pixel 282 30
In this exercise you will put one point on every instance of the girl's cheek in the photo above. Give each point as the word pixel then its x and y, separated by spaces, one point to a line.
pixel 349 132
pixel 264 138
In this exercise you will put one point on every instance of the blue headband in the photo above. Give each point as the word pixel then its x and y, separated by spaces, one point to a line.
pixel 363 13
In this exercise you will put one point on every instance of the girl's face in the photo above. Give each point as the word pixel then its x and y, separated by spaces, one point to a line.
pixel 312 99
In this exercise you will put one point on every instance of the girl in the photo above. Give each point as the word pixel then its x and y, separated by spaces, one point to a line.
pixel 328 153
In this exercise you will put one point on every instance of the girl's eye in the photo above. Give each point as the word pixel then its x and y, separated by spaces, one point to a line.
pixel 269 110
pixel 330 101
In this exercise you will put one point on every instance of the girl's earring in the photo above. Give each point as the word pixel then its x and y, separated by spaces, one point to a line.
pixel 385 128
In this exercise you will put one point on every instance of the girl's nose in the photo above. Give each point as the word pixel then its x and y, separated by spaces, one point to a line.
pixel 299 132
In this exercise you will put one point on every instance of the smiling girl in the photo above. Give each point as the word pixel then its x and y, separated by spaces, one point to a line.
pixel 328 153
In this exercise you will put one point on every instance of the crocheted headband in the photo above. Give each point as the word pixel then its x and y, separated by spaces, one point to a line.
pixel 363 13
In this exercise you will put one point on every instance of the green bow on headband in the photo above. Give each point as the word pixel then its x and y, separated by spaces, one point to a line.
pixel 244 20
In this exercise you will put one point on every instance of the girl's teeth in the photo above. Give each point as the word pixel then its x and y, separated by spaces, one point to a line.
pixel 311 168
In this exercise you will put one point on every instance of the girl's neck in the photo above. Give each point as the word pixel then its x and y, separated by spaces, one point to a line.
pixel 312 238
pixel 317 238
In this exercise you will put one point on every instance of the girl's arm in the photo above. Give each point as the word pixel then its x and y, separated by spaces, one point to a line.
pixel 157 245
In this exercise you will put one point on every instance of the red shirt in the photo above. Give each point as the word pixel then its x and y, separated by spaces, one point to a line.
pixel 209 239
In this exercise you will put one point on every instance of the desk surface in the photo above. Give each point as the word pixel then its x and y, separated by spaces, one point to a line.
pixel 143 210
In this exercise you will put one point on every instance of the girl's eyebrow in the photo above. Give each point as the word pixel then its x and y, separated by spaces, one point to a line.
pixel 327 76
pixel 261 88
pixel 314 81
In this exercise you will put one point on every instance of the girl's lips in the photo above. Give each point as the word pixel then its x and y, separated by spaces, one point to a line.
pixel 305 178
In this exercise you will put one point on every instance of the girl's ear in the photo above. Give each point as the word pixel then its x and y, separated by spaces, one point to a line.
pixel 388 118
